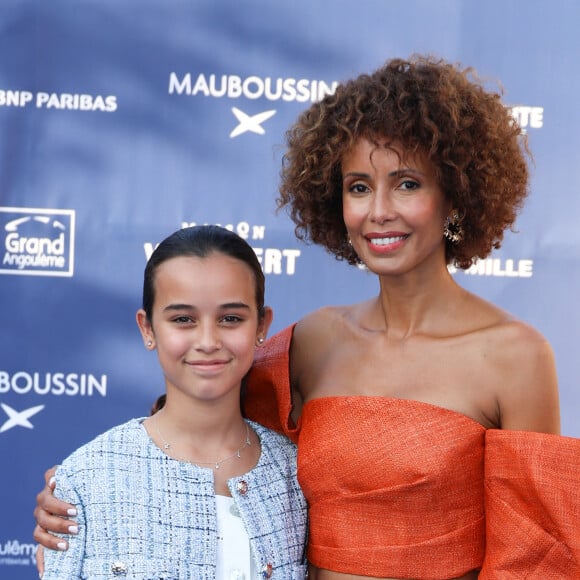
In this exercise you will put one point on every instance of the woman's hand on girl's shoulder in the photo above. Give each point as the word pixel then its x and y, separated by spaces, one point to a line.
pixel 52 516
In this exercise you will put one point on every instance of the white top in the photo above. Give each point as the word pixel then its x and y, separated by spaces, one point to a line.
pixel 234 558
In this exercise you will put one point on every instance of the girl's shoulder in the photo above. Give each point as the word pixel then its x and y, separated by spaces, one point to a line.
pixel 273 440
pixel 130 434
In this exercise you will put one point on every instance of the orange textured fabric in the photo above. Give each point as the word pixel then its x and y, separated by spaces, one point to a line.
pixel 532 499
pixel 395 487
pixel 405 489
pixel 268 397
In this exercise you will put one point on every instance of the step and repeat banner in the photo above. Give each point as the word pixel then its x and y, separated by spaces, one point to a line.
pixel 123 121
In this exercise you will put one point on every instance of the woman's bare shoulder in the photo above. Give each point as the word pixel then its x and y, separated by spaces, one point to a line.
pixel 325 325
pixel 315 338
pixel 522 365
pixel 325 313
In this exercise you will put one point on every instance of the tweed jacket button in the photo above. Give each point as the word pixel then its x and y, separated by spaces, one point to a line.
pixel 267 571
pixel 242 489
pixel 119 568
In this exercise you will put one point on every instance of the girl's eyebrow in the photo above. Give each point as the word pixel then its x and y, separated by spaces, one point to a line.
pixel 235 305
pixel 180 307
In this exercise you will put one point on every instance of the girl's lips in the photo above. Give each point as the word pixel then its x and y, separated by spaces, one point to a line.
pixel 209 366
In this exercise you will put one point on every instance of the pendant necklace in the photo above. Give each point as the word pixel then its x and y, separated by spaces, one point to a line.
pixel 217 463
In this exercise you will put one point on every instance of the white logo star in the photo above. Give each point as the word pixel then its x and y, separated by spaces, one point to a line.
pixel 19 418
pixel 251 123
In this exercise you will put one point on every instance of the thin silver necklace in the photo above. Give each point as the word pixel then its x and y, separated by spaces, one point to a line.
pixel 216 464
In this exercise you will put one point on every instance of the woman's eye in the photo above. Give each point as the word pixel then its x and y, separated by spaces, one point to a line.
pixel 409 184
pixel 358 188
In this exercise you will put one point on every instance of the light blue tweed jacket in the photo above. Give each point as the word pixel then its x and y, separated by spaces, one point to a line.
pixel 143 515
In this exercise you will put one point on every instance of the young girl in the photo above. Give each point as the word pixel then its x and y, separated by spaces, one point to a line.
pixel 195 491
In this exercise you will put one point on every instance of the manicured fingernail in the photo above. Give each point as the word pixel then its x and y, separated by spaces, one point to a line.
pixel 52 481
pixel 73 529
pixel 61 546
pixel 71 511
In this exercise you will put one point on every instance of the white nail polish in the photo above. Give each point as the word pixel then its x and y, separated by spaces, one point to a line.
pixel 61 546
pixel 51 481
pixel 71 511
pixel 73 529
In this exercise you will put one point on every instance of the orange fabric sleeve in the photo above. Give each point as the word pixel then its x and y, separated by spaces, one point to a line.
pixel 532 503
pixel 268 397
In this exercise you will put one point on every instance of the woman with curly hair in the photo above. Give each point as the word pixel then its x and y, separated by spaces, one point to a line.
pixel 427 419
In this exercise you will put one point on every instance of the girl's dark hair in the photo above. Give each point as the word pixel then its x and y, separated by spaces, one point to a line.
pixel 200 242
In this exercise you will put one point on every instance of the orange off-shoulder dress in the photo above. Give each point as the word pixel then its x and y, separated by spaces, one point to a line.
pixel 400 488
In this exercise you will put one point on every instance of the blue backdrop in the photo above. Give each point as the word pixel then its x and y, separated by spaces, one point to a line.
pixel 122 121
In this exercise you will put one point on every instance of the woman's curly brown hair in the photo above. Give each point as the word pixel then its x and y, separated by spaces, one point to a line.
pixel 433 108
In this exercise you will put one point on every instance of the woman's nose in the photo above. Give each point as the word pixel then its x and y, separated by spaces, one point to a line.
pixel 381 209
